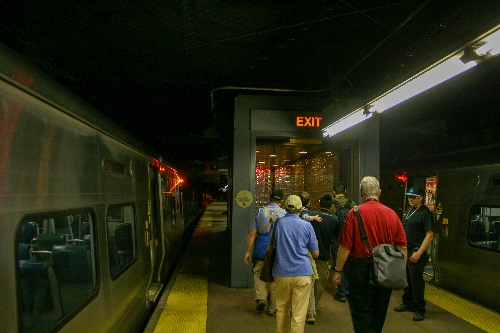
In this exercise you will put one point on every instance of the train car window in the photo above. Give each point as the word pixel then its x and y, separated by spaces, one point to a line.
pixel 122 245
pixel 484 227
pixel 57 267
pixel 113 167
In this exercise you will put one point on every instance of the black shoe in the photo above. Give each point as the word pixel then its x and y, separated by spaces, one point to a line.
pixel 401 308
pixel 339 298
pixel 418 316
pixel 260 305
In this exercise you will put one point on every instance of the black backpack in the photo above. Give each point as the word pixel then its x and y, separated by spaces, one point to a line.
pixel 342 211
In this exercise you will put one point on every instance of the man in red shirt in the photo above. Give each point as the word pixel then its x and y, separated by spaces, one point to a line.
pixel 368 304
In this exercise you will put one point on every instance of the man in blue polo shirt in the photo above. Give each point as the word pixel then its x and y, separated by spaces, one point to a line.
pixel 258 234
pixel 292 267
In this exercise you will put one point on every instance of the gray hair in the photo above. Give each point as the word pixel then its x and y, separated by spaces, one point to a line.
pixel 369 186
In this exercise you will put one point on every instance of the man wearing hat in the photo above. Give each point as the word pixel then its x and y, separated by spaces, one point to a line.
pixel 292 267
pixel 265 292
pixel 418 223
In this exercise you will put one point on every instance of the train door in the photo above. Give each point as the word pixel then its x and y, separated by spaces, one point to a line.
pixel 428 183
pixel 154 220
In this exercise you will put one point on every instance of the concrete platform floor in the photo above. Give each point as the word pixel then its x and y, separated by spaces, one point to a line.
pixel 232 310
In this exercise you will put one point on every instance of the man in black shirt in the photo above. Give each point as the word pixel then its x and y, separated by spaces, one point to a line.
pixel 418 223
pixel 326 231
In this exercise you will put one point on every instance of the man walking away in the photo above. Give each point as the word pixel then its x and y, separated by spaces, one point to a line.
pixel 257 237
pixel 367 303
pixel 326 231
pixel 341 207
pixel 292 268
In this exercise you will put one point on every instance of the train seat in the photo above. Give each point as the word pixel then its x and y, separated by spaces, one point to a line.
pixel 86 240
pixel 85 228
pixel 39 288
pixel 45 242
pixel 25 251
pixel 71 263
pixel 123 240
pixel 29 232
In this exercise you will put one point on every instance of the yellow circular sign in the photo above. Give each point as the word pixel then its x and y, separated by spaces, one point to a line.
pixel 244 198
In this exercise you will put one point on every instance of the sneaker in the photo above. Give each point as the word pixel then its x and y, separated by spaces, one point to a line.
pixel 260 305
pixel 339 298
pixel 401 308
pixel 271 314
pixel 310 319
pixel 418 316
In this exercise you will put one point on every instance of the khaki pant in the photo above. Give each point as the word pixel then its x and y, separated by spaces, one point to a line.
pixel 264 290
pixel 292 299
pixel 318 286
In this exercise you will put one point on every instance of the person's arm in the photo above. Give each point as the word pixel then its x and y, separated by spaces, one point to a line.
pixel 342 255
pixel 309 218
pixel 250 241
pixel 423 247
pixel 403 250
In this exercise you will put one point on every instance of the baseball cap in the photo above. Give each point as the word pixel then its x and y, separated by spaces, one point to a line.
pixel 277 195
pixel 293 202
pixel 415 191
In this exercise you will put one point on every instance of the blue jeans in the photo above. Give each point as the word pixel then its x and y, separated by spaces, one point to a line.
pixel 368 304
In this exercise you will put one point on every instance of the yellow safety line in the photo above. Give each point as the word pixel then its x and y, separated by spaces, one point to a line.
pixel 186 307
pixel 473 313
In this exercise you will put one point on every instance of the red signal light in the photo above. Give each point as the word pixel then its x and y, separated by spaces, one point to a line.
pixel 403 177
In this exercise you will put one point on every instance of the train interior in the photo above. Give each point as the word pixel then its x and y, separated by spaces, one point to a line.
pixel 57 266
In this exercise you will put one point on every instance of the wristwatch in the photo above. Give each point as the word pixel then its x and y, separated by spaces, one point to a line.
pixel 335 269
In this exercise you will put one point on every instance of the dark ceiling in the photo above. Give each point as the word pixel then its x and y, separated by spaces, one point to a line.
pixel 152 65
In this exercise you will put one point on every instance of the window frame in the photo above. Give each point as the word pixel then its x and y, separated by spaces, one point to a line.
pixel 44 219
pixel 116 269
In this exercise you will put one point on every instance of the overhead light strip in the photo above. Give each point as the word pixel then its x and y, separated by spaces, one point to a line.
pixel 430 77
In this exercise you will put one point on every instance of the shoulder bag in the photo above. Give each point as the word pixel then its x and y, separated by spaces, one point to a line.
pixel 387 263
pixel 266 274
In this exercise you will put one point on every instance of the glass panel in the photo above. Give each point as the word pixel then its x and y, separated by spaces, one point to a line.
pixel 484 227
pixel 122 245
pixel 57 267
pixel 314 174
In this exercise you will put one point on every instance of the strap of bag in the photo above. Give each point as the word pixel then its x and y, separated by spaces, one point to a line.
pixel 274 232
pixel 337 205
pixel 362 228
pixel 270 218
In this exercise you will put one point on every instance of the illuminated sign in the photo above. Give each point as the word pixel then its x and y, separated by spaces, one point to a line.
pixel 302 121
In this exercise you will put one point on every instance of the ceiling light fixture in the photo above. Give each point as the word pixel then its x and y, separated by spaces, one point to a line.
pixel 454 64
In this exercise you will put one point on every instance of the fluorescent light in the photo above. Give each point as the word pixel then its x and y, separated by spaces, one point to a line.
pixel 411 87
pixel 492 44
pixel 428 78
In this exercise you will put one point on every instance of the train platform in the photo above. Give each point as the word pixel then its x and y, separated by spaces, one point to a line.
pixel 199 298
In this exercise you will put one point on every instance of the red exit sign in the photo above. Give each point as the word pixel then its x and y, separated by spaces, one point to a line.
pixel 302 121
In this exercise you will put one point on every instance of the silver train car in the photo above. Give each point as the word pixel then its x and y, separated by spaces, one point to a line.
pixel 90 221
pixel 465 251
